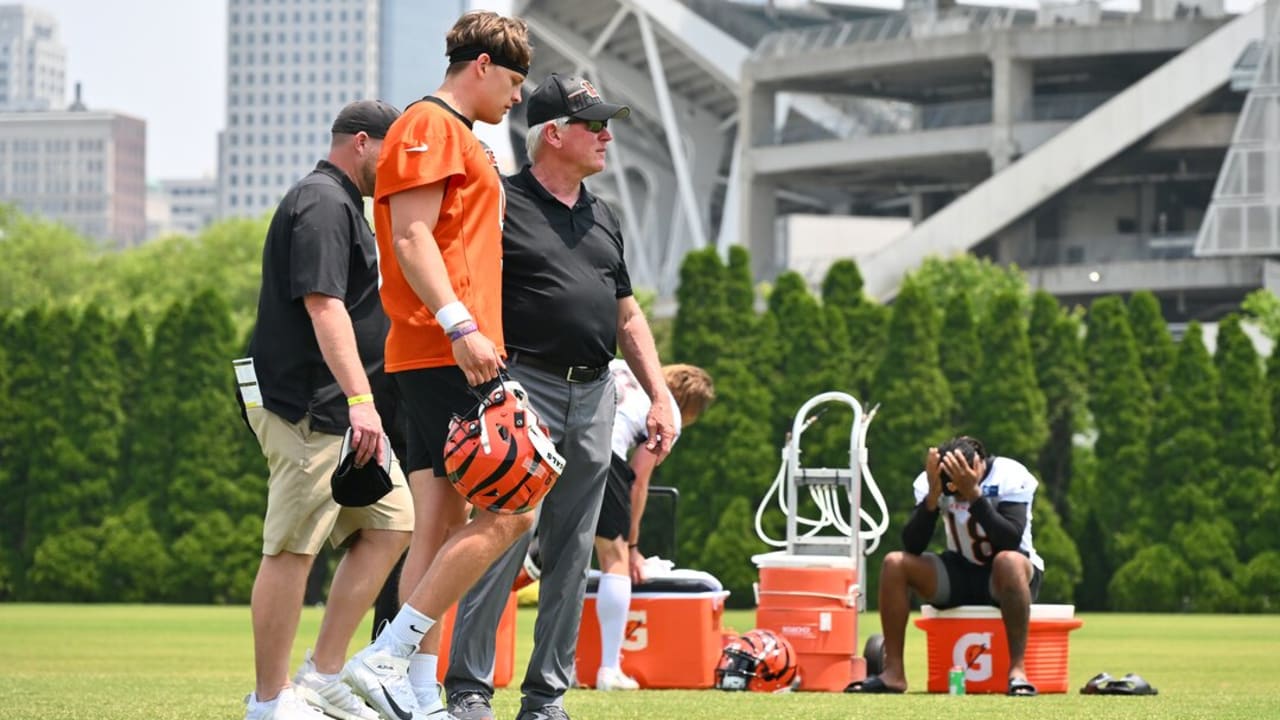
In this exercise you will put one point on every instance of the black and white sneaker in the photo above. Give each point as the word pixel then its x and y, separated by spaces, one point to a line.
pixel 470 706
pixel 381 679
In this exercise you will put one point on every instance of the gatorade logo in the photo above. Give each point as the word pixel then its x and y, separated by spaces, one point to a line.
pixel 637 635
pixel 973 653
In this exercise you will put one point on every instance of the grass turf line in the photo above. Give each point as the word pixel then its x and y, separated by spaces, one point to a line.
pixel 116 662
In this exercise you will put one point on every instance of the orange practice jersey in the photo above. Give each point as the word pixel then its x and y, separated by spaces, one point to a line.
pixel 429 144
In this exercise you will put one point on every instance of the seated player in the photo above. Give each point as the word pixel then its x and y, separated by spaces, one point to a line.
pixel 985 504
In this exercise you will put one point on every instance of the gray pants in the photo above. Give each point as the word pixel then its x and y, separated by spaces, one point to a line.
pixel 580 418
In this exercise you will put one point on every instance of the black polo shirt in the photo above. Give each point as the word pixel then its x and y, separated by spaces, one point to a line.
pixel 318 242
pixel 563 273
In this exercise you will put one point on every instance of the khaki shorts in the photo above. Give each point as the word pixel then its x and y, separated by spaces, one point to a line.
pixel 300 509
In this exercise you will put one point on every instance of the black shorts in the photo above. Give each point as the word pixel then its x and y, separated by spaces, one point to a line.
pixel 429 398
pixel 960 582
pixel 615 509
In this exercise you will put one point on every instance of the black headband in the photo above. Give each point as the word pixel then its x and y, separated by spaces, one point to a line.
pixel 463 53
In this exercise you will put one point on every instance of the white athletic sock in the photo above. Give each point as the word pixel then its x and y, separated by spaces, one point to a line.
pixel 613 599
pixel 404 633
pixel 422 676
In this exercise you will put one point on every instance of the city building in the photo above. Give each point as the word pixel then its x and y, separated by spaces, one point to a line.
pixel 678 64
pixel 1244 216
pixel 33 61
pixel 411 50
pixel 1081 145
pixel 83 168
pixel 181 206
pixel 290 69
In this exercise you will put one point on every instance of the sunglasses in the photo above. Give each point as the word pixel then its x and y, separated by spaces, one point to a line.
pixel 593 126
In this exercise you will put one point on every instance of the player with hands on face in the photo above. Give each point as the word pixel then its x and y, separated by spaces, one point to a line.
pixel 985 506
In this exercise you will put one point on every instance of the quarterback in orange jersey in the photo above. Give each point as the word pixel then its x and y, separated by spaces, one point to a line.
pixel 438 216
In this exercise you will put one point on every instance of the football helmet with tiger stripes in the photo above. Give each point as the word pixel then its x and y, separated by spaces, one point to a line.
pixel 758 661
pixel 500 456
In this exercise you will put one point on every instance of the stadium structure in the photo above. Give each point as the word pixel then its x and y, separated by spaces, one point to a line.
pixel 1100 151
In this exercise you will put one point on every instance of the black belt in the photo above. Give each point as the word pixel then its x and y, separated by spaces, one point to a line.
pixel 571 373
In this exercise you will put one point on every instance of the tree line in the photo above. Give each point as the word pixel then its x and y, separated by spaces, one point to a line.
pixel 128 475
pixel 1156 459
pixel 126 472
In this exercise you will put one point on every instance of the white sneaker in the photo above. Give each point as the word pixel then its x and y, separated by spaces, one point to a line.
pixel 382 679
pixel 286 706
pixel 615 679
pixel 332 697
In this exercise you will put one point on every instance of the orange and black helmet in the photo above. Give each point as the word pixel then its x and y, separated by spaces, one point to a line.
pixel 500 456
pixel 759 661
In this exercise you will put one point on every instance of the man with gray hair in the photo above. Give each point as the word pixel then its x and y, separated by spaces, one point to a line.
pixel 567 306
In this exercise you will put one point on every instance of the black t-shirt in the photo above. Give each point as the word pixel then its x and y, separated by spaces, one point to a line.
pixel 563 273
pixel 318 242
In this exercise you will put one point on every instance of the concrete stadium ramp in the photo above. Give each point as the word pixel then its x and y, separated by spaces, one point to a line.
pixel 1099 136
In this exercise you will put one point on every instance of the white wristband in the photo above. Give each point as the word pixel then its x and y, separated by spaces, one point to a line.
pixel 453 314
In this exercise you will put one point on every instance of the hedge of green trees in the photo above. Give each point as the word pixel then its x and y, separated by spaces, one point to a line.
pixel 1157 460
pixel 127 475
pixel 125 470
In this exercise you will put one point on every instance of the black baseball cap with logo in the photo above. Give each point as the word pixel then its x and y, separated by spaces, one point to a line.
pixel 564 96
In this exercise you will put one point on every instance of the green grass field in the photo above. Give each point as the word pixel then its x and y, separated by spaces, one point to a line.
pixel 104 662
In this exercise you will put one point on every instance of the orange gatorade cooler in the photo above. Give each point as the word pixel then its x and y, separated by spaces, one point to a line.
pixel 812 601
pixel 505 657
pixel 674 633
pixel 972 637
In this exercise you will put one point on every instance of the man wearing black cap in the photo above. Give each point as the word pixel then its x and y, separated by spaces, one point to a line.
pixel 315 369
pixel 567 306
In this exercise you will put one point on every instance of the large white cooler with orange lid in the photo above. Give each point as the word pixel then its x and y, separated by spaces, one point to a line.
pixel 973 637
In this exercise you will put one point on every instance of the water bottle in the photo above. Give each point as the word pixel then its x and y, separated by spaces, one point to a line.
pixel 955 681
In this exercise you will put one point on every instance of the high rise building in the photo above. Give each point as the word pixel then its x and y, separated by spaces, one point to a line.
pixel 33 61
pixel 181 206
pixel 412 47
pixel 290 68
pixel 86 169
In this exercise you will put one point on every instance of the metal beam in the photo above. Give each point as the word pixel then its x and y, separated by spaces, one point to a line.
pixel 871 151
pixel 607 33
pixel 618 167
pixel 684 180
pixel 714 50
pixel 732 197
pixel 607 70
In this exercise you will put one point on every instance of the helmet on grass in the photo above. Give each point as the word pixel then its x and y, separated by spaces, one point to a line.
pixel 759 661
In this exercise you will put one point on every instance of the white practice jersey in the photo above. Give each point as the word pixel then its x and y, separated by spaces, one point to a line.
pixel 1007 480
pixel 629 429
